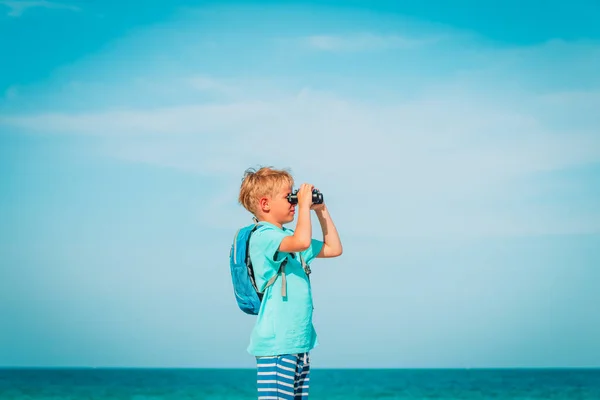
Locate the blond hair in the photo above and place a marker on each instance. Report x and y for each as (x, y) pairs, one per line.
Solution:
(265, 181)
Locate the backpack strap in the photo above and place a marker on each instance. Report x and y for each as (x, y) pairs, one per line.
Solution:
(283, 281)
(248, 262)
(304, 265)
(271, 281)
(282, 270)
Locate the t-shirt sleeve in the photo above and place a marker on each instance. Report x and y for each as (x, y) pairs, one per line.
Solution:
(312, 252)
(266, 259)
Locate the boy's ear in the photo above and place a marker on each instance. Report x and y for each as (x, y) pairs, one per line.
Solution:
(264, 204)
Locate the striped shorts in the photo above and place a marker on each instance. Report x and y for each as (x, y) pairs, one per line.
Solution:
(283, 377)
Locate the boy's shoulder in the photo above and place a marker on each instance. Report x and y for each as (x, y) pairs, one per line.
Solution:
(267, 236)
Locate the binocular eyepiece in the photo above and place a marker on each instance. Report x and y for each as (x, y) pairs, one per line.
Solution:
(317, 197)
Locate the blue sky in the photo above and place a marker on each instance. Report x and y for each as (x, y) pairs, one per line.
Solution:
(458, 149)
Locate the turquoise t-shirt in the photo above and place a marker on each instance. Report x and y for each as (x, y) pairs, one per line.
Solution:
(284, 324)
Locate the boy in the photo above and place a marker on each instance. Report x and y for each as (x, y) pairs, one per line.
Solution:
(283, 333)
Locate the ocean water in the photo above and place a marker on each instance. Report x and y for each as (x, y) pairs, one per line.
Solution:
(348, 384)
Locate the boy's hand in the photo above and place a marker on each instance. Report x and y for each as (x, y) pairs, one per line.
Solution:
(305, 195)
(317, 207)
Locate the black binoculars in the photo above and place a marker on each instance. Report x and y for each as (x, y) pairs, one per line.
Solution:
(317, 197)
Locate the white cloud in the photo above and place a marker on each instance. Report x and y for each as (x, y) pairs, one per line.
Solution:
(206, 83)
(436, 127)
(439, 164)
(17, 8)
(364, 42)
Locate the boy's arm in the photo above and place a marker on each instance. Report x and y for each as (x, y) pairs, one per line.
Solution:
(332, 245)
(301, 239)
(302, 236)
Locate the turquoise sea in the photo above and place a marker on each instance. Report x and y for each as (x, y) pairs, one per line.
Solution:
(348, 384)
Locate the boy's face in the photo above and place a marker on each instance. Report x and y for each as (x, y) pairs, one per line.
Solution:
(281, 209)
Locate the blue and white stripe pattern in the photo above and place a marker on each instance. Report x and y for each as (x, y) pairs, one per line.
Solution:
(283, 377)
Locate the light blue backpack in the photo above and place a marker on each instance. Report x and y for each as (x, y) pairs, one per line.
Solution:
(246, 292)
